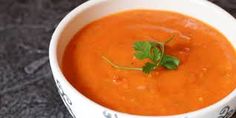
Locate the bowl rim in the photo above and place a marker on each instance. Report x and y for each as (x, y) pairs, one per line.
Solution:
(57, 72)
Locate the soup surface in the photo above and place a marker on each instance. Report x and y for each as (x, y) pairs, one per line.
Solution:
(206, 74)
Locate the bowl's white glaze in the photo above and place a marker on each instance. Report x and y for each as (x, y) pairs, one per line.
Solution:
(80, 106)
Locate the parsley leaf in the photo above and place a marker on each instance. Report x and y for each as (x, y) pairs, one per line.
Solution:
(148, 67)
(156, 54)
(170, 62)
(147, 50)
(142, 50)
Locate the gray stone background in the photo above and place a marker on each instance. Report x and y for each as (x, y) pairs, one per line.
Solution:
(27, 89)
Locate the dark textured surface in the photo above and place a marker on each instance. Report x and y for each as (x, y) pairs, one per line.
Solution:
(27, 89)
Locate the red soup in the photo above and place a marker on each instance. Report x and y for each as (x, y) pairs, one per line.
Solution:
(206, 72)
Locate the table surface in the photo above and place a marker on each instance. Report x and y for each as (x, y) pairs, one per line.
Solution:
(27, 89)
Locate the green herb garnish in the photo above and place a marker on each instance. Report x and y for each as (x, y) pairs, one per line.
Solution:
(155, 52)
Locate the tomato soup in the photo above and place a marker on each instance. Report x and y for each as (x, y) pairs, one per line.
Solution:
(206, 74)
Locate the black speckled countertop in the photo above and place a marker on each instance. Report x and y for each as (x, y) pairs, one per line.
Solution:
(27, 89)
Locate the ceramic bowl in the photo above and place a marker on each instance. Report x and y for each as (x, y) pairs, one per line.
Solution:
(81, 107)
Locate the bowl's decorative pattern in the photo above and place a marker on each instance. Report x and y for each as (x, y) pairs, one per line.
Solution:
(65, 98)
(226, 112)
(106, 114)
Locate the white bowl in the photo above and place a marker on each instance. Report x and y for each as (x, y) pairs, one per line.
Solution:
(80, 106)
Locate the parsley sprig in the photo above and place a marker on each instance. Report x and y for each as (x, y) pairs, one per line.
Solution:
(153, 51)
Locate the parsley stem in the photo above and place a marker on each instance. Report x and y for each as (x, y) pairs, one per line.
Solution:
(162, 47)
(168, 40)
(120, 67)
(162, 55)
